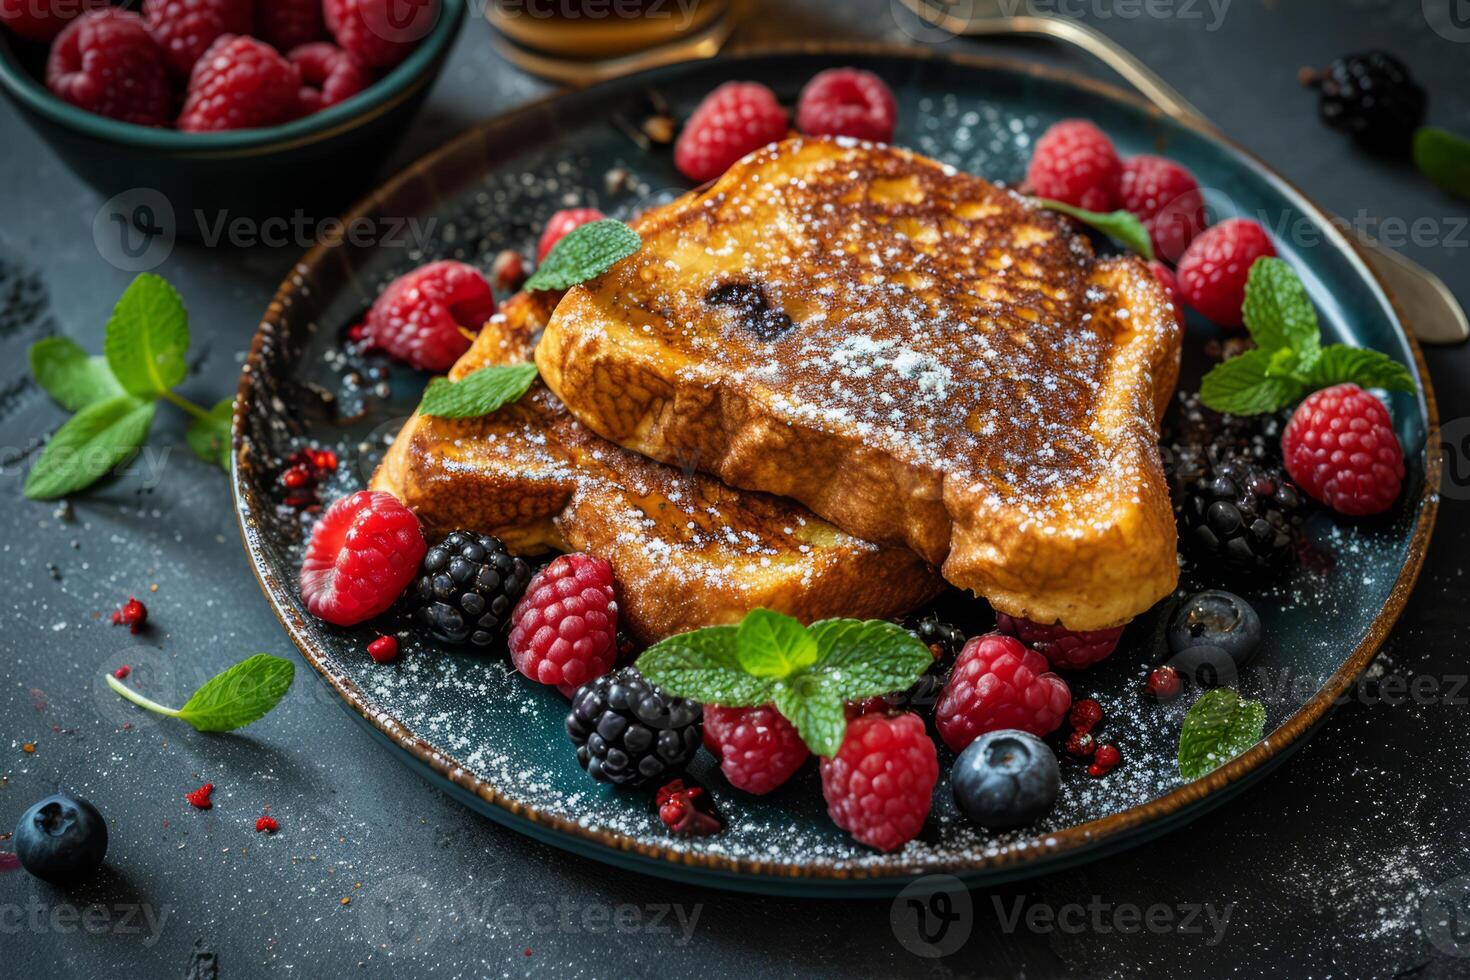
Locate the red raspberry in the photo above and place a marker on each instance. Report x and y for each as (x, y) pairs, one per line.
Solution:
(1166, 198)
(288, 24)
(879, 785)
(133, 615)
(1165, 276)
(380, 32)
(1341, 449)
(1104, 760)
(1080, 744)
(383, 650)
(1074, 162)
(266, 824)
(1214, 268)
(733, 120)
(1085, 715)
(199, 798)
(240, 83)
(757, 748)
(328, 75)
(42, 20)
(421, 316)
(561, 223)
(847, 102)
(186, 28)
(564, 631)
(1163, 683)
(998, 683)
(363, 552)
(106, 62)
(1064, 649)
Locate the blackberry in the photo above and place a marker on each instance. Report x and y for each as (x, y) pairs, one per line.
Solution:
(1240, 513)
(931, 632)
(468, 587)
(1371, 97)
(630, 733)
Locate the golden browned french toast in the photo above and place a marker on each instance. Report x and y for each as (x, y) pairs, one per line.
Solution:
(920, 357)
(687, 551)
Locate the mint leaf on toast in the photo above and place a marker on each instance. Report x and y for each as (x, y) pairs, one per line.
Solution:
(769, 644)
(1217, 728)
(478, 393)
(705, 666)
(1121, 226)
(818, 715)
(866, 658)
(584, 253)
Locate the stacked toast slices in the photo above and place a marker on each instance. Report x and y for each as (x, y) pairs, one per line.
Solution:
(931, 364)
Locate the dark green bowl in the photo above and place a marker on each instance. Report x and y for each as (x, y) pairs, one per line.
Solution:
(315, 162)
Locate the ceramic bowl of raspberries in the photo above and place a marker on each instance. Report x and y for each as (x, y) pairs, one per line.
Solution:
(235, 108)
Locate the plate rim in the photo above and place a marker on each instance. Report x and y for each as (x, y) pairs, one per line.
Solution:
(1055, 849)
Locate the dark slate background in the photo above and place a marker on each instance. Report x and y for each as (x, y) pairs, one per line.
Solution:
(1343, 863)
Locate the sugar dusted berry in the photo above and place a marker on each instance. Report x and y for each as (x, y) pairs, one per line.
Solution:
(564, 632)
(1104, 760)
(847, 102)
(733, 120)
(1074, 162)
(1006, 779)
(1085, 715)
(426, 317)
(1166, 198)
(758, 749)
(998, 683)
(629, 733)
(1341, 449)
(1213, 271)
(1064, 649)
(363, 552)
(880, 784)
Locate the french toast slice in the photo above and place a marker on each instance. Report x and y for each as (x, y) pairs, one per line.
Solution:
(686, 550)
(920, 357)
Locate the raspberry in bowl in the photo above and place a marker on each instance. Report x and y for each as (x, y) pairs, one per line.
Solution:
(260, 134)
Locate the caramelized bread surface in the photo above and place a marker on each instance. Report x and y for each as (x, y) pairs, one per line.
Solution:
(687, 550)
(922, 358)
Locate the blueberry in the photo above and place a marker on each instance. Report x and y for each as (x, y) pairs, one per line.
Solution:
(62, 840)
(1212, 636)
(1006, 779)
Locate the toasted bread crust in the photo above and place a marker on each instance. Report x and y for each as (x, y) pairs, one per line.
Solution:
(687, 551)
(918, 356)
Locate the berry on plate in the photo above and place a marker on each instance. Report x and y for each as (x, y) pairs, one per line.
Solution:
(383, 650)
(1074, 162)
(1340, 447)
(559, 224)
(564, 631)
(40, 20)
(420, 318)
(757, 748)
(186, 28)
(999, 683)
(1006, 779)
(106, 62)
(240, 83)
(288, 24)
(381, 33)
(847, 102)
(733, 120)
(1213, 271)
(629, 733)
(328, 75)
(1212, 635)
(880, 784)
(1064, 649)
(363, 552)
(1165, 197)
(61, 839)
(1239, 514)
(468, 588)
(1167, 279)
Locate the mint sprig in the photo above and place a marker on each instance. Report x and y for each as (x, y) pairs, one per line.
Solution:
(1122, 226)
(1289, 361)
(231, 699)
(1444, 158)
(808, 672)
(145, 347)
(1217, 728)
(585, 252)
(478, 393)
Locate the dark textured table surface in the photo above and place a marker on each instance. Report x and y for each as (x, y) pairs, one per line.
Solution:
(1343, 863)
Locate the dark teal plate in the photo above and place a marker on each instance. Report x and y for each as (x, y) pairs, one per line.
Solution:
(482, 732)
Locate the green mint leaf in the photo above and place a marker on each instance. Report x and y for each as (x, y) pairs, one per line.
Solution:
(704, 665)
(1278, 313)
(90, 444)
(818, 713)
(1444, 158)
(864, 658)
(585, 252)
(1242, 386)
(1121, 226)
(1217, 728)
(770, 644)
(1365, 368)
(209, 437)
(70, 376)
(231, 699)
(147, 337)
(479, 393)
